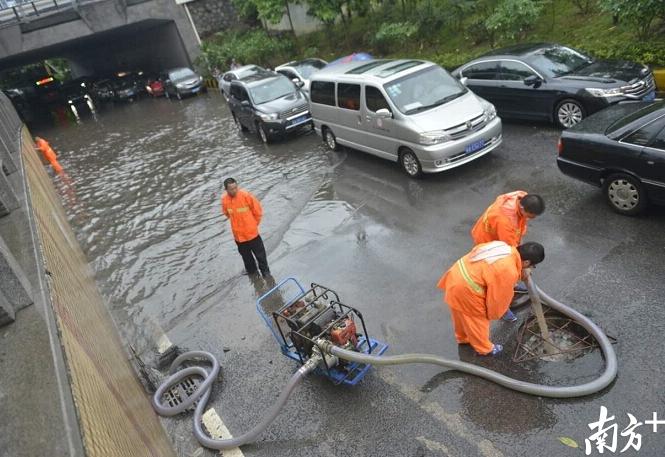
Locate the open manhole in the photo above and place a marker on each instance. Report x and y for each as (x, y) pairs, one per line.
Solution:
(569, 340)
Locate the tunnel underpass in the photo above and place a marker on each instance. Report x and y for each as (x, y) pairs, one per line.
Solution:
(149, 45)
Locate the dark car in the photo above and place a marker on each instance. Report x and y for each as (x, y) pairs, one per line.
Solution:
(554, 83)
(181, 81)
(102, 90)
(269, 104)
(622, 150)
(125, 88)
(77, 94)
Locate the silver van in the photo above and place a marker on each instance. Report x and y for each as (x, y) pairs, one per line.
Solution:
(408, 111)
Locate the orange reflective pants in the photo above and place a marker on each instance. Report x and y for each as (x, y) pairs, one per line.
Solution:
(472, 330)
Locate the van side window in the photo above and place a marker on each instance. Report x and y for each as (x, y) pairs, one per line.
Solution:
(348, 96)
(323, 92)
(375, 100)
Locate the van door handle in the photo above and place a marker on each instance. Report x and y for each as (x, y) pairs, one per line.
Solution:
(360, 120)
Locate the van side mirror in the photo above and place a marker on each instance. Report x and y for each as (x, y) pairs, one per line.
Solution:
(533, 80)
(244, 103)
(383, 113)
(463, 80)
(299, 84)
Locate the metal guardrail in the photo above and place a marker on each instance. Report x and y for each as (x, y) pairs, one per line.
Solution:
(26, 10)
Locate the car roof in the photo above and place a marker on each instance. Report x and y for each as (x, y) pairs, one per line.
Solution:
(518, 50)
(257, 77)
(378, 70)
(295, 63)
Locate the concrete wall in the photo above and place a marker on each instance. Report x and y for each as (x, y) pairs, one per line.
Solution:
(66, 385)
(211, 16)
(302, 22)
(55, 38)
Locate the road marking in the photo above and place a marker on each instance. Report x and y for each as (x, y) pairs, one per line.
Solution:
(217, 430)
(452, 421)
(433, 445)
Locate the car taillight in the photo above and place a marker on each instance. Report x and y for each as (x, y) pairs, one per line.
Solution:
(560, 146)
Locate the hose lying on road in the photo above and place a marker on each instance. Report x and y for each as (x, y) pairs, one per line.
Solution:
(521, 386)
(202, 394)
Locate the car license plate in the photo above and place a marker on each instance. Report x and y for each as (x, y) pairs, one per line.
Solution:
(651, 96)
(195, 90)
(299, 119)
(473, 147)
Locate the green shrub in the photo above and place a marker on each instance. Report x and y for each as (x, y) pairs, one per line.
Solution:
(511, 19)
(648, 53)
(390, 34)
(255, 47)
(641, 14)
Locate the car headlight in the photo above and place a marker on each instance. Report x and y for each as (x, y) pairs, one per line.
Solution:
(269, 117)
(596, 92)
(490, 112)
(179, 86)
(434, 137)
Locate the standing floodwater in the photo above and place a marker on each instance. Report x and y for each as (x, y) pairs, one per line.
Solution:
(142, 188)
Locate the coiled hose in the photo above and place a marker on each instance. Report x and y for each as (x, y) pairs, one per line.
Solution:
(202, 394)
(520, 386)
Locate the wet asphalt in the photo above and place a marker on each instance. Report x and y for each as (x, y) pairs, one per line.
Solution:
(142, 193)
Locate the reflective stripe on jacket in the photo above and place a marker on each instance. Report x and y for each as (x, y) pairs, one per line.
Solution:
(481, 283)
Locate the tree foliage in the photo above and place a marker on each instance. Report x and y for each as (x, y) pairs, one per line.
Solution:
(642, 14)
(513, 18)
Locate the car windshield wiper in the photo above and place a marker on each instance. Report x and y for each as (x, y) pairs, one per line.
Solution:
(578, 68)
(435, 104)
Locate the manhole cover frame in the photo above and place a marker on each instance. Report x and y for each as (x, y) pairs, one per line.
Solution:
(556, 322)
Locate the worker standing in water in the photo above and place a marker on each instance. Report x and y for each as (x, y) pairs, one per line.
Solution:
(506, 220)
(48, 153)
(244, 212)
(479, 288)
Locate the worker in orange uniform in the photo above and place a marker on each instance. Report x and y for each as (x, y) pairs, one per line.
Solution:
(48, 153)
(506, 220)
(479, 288)
(244, 211)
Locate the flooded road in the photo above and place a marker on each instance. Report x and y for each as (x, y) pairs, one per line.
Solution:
(142, 193)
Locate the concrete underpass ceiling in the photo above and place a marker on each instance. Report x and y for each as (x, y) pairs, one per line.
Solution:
(87, 44)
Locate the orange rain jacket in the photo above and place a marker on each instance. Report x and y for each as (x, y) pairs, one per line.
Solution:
(502, 221)
(481, 283)
(245, 212)
(48, 153)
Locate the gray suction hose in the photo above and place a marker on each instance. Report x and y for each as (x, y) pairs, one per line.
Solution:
(202, 395)
(521, 386)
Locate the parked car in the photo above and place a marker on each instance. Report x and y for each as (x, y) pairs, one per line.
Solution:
(102, 90)
(181, 81)
(77, 95)
(554, 83)
(269, 104)
(408, 111)
(154, 86)
(238, 73)
(622, 150)
(301, 70)
(124, 89)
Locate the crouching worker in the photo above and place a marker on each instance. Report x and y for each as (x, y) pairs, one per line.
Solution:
(479, 288)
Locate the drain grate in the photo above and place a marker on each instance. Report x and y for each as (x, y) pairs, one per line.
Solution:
(181, 391)
(569, 339)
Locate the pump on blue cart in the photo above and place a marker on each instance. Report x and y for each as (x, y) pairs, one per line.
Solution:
(298, 317)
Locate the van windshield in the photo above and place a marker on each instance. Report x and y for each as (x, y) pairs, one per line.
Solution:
(424, 90)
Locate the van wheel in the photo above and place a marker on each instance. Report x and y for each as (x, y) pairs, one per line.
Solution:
(330, 140)
(625, 194)
(410, 163)
(263, 135)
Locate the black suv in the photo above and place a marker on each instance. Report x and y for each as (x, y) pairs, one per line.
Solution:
(269, 104)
